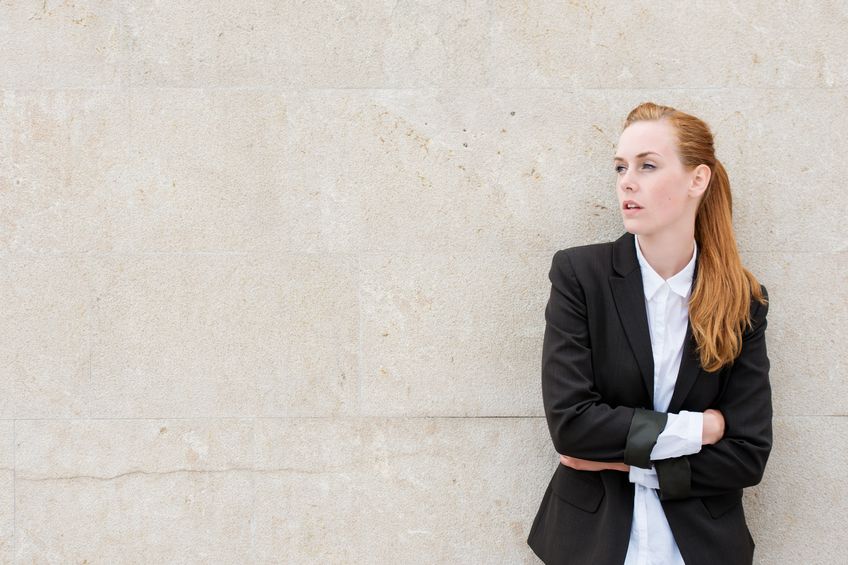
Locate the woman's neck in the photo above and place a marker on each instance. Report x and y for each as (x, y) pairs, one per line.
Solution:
(667, 253)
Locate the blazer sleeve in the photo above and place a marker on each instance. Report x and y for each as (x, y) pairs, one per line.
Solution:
(580, 423)
(739, 459)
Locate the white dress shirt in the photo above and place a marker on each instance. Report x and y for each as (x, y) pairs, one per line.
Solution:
(667, 301)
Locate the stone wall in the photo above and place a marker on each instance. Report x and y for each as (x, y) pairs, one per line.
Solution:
(273, 274)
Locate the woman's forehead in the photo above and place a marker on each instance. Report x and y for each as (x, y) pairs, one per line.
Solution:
(645, 137)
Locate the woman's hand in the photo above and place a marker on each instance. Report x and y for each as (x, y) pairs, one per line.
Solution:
(586, 465)
(713, 429)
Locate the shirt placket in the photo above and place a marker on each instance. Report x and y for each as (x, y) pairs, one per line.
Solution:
(644, 550)
(659, 316)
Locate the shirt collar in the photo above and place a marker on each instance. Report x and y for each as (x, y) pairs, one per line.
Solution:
(680, 284)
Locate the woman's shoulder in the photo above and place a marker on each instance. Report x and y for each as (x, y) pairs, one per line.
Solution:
(759, 310)
(588, 256)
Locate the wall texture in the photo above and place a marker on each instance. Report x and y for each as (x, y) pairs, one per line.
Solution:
(272, 274)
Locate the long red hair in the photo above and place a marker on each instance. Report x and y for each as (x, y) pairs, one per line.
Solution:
(720, 304)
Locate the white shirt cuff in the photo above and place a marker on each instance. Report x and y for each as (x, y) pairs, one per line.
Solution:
(682, 435)
(645, 477)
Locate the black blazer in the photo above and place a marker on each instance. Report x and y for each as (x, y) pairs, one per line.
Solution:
(597, 388)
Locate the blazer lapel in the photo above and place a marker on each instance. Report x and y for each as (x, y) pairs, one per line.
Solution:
(690, 364)
(629, 295)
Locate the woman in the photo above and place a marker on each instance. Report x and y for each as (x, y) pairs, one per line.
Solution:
(655, 374)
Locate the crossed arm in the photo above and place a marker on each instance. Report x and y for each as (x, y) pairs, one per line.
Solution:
(593, 435)
(711, 431)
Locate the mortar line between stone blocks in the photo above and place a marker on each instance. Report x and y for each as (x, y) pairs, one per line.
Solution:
(341, 417)
(329, 417)
(568, 89)
(425, 87)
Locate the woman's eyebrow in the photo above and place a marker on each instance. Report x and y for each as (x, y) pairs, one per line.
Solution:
(617, 158)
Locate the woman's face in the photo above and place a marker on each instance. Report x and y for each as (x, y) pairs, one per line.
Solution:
(656, 181)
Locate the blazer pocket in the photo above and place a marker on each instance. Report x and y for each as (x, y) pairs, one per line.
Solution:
(721, 504)
(583, 489)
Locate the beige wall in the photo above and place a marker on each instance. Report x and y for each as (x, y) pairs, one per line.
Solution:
(272, 274)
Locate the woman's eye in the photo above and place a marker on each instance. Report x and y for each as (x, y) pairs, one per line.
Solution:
(619, 167)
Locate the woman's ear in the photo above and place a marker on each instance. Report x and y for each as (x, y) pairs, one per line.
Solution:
(701, 176)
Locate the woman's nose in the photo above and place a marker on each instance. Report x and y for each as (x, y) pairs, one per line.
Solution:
(624, 181)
